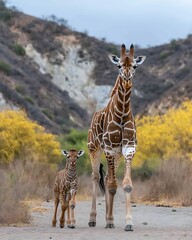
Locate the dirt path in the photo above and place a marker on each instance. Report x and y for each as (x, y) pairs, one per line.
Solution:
(150, 222)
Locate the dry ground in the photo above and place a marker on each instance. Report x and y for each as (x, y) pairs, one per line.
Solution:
(150, 222)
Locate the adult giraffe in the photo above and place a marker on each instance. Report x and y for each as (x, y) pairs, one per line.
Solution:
(113, 132)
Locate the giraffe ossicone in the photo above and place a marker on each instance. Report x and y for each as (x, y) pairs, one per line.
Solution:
(113, 132)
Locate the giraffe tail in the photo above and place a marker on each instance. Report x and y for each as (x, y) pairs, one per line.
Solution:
(101, 181)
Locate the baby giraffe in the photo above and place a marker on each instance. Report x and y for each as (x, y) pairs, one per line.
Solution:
(65, 189)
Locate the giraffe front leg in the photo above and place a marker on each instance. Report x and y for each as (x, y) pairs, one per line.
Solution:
(68, 199)
(111, 188)
(68, 217)
(93, 214)
(106, 197)
(95, 161)
(108, 201)
(127, 186)
(56, 202)
(72, 205)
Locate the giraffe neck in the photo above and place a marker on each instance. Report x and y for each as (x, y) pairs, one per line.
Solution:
(70, 173)
(121, 98)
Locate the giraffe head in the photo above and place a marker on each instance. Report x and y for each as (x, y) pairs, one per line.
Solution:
(72, 156)
(127, 64)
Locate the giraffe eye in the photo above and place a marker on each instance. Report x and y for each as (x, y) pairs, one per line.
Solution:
(135, 66)
(119, 66)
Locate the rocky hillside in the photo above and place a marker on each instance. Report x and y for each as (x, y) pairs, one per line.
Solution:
(60, 77)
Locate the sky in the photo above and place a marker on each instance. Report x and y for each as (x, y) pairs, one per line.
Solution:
(145, 23)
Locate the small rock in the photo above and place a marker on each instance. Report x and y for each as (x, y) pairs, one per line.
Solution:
(145, 223)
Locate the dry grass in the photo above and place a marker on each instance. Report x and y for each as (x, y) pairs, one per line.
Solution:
(172, 184)
(34, 180)
(84, 188)
(12, 211)
(20, 182)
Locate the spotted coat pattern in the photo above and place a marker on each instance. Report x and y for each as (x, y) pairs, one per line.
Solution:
(113, 132)
(65, 189)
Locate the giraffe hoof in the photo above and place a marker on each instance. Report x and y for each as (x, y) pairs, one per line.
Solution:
(110, 225)
(53, 224)
(61, 226)
(128, 189)
(92, 224)
(128, 228)
(71, 226)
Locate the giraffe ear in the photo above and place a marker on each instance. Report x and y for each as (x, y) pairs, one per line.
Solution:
(80, 153)
(139, 60)
(64, 152)
(114, 59)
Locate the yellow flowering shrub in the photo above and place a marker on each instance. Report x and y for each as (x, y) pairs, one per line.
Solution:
(23, 139)
(164, 137)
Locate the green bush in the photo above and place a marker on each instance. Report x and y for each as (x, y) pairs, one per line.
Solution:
(5, 13)
(29, 99)
(112, 49)
(2, 5)
(5, 16)
(174, 44)
(18, 49)
(77, 140)
(4, 67)
(164, 54)
(48, 113)
(20, 89)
